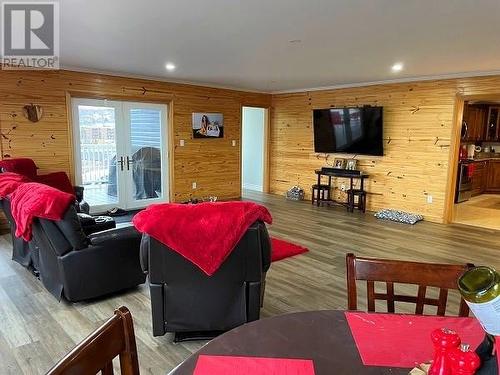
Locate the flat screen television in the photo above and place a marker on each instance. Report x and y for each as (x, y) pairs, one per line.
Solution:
(349, 130)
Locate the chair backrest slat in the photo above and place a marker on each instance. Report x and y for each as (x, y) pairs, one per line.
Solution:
(390, 297)
(419, 308)
(443, 300)
(370, 285)
(95, 354)
(424, 275)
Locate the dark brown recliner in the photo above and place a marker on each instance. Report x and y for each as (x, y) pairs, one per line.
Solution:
(186, 301)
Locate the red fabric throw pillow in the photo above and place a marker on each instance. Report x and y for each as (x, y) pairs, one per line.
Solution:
(204, 233)
(9, 182)
(32, 200)
(58, 180)
(23, 166)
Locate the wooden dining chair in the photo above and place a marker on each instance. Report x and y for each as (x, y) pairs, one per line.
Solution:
(95, 354)
(442, 276)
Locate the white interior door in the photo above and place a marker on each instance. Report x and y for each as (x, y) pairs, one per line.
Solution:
(121, 156)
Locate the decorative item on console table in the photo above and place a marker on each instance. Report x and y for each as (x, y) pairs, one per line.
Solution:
(352, 165)
(339, 163)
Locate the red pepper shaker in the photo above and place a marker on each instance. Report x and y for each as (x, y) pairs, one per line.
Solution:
(463, 361)
(444, 341)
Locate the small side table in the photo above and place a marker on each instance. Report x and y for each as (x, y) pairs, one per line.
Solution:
(318, 193)
(351, 200)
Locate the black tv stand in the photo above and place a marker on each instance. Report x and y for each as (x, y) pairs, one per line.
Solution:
(341, 173)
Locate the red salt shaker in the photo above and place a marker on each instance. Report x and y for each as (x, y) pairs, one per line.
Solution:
(444, 341)
(463, 361)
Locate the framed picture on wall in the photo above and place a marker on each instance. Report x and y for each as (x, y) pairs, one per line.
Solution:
(208, 125)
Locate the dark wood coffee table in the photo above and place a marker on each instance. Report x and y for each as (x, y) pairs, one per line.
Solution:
(323, 336)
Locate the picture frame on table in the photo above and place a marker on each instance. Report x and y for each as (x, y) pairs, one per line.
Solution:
(339, 163)
(351, 165)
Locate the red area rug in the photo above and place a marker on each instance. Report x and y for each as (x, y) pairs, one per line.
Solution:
(283, 249)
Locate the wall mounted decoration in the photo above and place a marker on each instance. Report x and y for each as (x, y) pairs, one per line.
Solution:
(208, 125)
(33, 112)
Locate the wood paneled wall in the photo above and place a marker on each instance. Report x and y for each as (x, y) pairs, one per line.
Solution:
(213, 163)
(418, 119)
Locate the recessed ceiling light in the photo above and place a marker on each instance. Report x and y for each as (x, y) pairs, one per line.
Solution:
(397, 67)
(170, 67)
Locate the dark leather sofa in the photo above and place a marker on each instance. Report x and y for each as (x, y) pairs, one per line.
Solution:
(81, 267)
(186, 301)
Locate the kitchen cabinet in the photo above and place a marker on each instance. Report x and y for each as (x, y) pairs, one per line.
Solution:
(474, 123)
(479, 177)
(493, 179)
(492, 131)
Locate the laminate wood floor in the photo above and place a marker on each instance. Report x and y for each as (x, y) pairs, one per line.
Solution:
(36, 330)
(481, 211)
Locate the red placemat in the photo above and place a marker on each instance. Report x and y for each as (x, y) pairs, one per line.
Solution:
(228, 365)
(393, 340)
(497, 348)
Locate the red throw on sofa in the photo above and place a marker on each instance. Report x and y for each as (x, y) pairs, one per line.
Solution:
(28, 168)
(32, 200)
(204, 233)
(10, 182)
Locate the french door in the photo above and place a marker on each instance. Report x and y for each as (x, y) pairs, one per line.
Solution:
(120, 151)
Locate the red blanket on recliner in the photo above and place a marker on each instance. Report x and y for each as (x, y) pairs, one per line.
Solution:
(10, 182)
(32, 200)
(204, 233)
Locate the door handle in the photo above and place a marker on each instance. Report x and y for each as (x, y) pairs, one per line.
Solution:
(129, 161)
(121, 163)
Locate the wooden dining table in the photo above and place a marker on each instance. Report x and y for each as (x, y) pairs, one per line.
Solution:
(321, 336)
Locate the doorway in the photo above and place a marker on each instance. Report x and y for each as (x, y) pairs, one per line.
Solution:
(474, 194)
(120, 153)
(254, 149)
